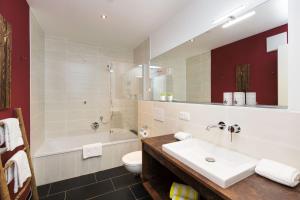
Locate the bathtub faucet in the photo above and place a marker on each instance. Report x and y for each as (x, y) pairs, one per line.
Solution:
(95, 126)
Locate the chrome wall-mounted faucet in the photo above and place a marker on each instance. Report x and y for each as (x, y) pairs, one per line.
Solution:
(234, 129)
(220, 125)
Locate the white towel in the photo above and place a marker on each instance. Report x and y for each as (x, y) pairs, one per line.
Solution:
(12, 134)
(278, 172)
(92, 150)
(183, 136)
(2, 138)
(9, 175)
(21, 169)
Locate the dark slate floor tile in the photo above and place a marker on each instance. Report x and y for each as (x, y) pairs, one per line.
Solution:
(123, 194)
(145, 198)
(125, 180)
(72, 183)
(43, 190)
(110, 173)
(60, 196)
(90, 191)
(139, 191)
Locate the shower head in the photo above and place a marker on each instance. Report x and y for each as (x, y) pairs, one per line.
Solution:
(109, 68)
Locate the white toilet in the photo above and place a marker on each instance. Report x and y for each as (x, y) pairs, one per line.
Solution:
(133, 162)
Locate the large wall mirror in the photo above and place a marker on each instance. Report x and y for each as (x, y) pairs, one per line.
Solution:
(242, 61)
(5, 63)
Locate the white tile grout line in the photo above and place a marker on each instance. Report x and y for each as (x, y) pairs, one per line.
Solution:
(132, 192)
(81, 186)
(95, 176)
(75, 188)
(115, 189)
(48, 190)
(100, 195)
(112, 184)
(112, 177)
(113, 192)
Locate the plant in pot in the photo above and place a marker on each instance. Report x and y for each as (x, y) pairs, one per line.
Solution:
(170, 96)
(163, 96)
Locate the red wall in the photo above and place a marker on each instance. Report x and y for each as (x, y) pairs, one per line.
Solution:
(263, 67)
(16, 13)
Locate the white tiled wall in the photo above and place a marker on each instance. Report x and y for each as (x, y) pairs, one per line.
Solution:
(76, 73)
(266, 133)
(177, 83)
(198, 78)
(37, 79)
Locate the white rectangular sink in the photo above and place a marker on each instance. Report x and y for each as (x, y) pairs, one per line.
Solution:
(222, 166)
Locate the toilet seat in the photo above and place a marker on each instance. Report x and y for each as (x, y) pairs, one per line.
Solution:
(133, 158)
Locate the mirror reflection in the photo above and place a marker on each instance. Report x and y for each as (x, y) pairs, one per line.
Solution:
(242, 61)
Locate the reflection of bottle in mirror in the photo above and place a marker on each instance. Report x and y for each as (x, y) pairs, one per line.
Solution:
(239, 98)
(227, 98)
(251, 98)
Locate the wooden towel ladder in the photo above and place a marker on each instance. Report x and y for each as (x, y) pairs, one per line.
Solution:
(4, 191)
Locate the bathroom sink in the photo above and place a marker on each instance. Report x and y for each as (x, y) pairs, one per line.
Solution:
(222, 166)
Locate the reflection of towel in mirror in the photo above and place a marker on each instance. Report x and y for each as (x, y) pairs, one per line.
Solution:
(11, 135)
(21, 170)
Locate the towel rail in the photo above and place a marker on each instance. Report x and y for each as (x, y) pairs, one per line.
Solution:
(23, 189)
(3, 150)
(30, 182)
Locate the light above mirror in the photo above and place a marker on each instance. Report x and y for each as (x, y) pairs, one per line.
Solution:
(234, 21)
(229, 15)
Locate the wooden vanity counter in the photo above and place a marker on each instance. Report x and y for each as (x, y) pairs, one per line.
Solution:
(161, 169)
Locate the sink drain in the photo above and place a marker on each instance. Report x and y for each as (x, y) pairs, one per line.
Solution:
(210, 159)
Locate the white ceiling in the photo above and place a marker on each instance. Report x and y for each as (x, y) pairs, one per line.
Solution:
(129, 21)
(270, 14)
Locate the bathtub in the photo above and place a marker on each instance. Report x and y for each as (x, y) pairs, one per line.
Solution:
(61, 158)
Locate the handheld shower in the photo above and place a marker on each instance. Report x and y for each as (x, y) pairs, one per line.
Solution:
(109, 68)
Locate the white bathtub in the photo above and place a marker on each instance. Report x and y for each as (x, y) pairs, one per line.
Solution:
(61, 158)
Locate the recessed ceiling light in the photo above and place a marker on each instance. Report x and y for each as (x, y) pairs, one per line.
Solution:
(103, 16)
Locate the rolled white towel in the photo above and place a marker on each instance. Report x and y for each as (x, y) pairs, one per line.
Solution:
(278, 172)
(183, 135)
